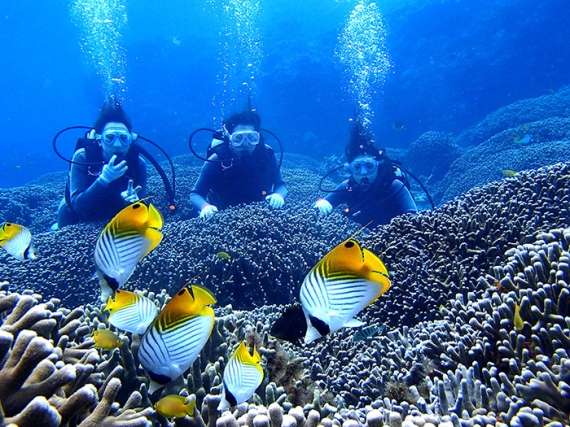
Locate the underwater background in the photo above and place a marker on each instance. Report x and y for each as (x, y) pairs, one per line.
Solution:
(473, 98)
(180, 65)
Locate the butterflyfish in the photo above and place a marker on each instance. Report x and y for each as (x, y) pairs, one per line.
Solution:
(175, 406)
(175, 338)
(126, 239)
(344, 281)
(517, 320)
(131, 312)
(17, 241)
(106, 339)
(241, 377)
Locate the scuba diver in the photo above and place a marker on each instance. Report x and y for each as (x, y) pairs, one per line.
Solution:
(107, 170)
(240, 167)
(373, 192)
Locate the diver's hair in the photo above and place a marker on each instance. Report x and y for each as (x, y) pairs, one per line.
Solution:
(248, 116)
(361, 143)
(112, 112)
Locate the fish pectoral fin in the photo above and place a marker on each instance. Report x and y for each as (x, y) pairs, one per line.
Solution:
(353, 323)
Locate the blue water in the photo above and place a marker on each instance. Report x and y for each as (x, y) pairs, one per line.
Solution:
(453, 62)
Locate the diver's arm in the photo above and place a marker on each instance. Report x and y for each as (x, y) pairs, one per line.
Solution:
(339, 195)
(403, 200)
(279, 186)
(83, 192)
(202, 187)
(141, 178)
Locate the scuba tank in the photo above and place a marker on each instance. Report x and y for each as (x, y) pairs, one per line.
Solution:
(89, 144)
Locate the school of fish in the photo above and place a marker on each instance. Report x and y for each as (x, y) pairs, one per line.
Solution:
(338, 287)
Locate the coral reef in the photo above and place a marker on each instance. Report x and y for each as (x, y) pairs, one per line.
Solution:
(451, 356)
(431, 145)
(549, 143)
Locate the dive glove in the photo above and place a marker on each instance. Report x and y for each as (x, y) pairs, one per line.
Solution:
(323, 206)
(208, 210)
(111, 171)
(130, 195)
(276, 200)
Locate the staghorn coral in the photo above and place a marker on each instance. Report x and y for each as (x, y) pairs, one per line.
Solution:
(41, 383)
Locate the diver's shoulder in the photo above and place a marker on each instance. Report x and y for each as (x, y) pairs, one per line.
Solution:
(80, 155)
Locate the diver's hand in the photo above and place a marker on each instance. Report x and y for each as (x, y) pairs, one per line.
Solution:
(323, 206)
(130, 195)
(208, 210)
(92, 134)
(275, 200)
(111, 171)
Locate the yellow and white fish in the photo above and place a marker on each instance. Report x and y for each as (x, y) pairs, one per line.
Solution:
(17, 241)
(126, 239)
(175, 338)
(242, 375)
(131, 312)
(346, 280)
(106, 339)
(175, 406)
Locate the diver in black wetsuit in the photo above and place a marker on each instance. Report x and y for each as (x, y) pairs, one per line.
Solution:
(241, 168)
(373, 192)
(107, 172)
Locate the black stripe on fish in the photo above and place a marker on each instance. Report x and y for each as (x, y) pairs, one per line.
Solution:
(230, 398)
(27, 251)
(112, 282)
(158, 378)
(320, 326)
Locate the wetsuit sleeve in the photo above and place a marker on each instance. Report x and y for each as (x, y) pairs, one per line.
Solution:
(339, 195)
(141, 178)
(202, 187)
(279, 183)
(84, 192)
(403, 201)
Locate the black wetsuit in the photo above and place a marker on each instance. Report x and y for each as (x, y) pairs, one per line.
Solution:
(89, 199)
(245, 179)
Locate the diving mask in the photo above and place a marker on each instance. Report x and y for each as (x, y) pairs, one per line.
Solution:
(109, 137)
(250, 136)
(363, 166)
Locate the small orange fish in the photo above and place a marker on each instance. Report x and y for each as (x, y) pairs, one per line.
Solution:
(175, 406)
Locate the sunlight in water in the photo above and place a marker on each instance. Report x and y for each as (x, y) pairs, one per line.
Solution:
(101, 22)
(240, 50)
(362, 50)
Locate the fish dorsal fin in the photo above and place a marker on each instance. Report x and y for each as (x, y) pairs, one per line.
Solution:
(154, 225)
(243, 355)
(202, 296)
(121, 299)
(185, 304)
(154, 218)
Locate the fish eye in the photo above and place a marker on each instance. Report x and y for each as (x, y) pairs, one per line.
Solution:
(349, 244)
(181, 292)
(138, 205)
